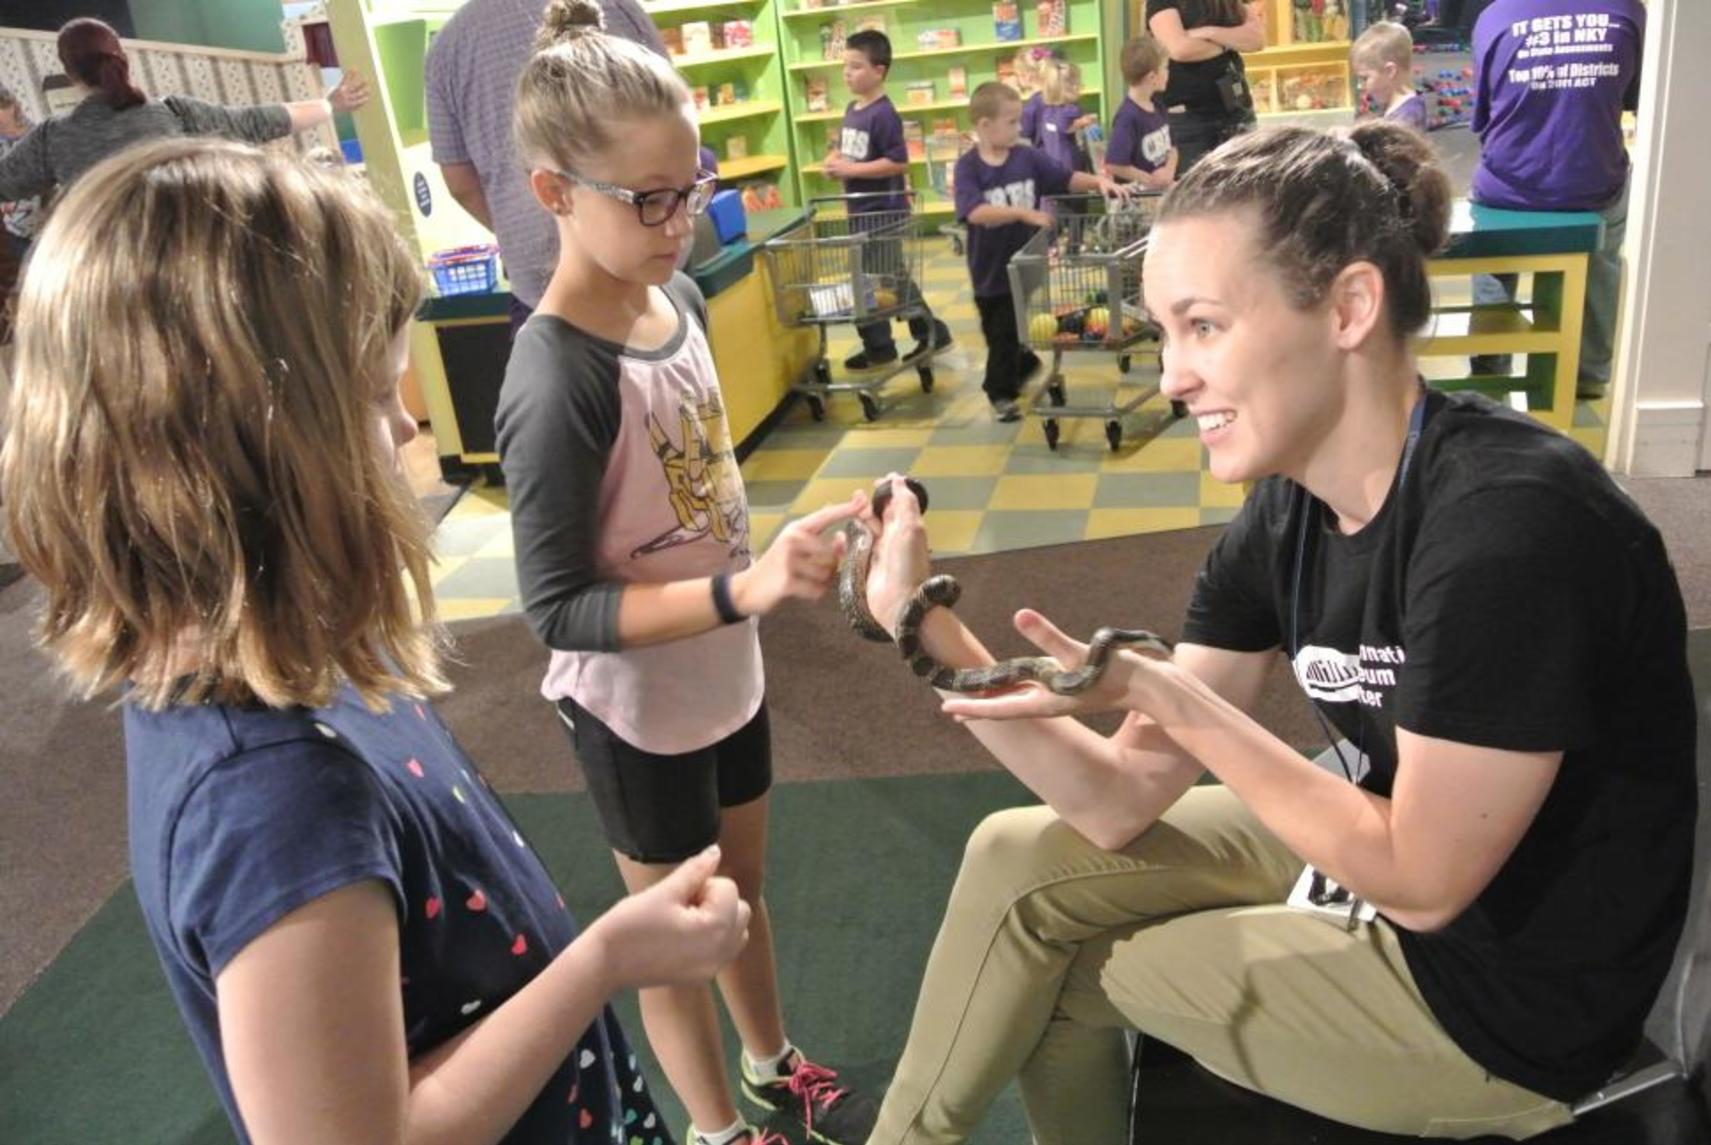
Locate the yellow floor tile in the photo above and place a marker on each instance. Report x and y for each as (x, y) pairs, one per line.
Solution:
(1047, 491)
(481, 501)
(1216, 494)
(961, 461)
(887, 437)
(784, 464)
(827, 491)
(469, 607)
(1125, 522)
(1161, 455)
(500, 546)
(762, 527)
(952, 530)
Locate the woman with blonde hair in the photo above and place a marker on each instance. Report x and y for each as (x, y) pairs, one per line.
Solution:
(202, 470)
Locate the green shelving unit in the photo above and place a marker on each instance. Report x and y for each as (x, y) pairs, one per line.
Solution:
(979, 53)
(756, 121)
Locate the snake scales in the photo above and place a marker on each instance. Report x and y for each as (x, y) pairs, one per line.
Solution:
(943, 590)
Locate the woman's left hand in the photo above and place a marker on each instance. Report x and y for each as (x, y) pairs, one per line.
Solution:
(1128, 675)
(350, 94)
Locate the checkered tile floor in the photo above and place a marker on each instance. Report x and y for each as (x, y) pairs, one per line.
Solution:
(994, 487)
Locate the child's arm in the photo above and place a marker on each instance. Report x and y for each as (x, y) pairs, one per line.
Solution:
(312, 1023)
(1083, 182)
(987, 215)
(840, 168)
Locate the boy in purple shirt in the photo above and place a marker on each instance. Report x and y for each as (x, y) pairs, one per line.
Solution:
(999, 186)
(1140, 150)
(1554, 77)
(873, 160)
(1383, 62)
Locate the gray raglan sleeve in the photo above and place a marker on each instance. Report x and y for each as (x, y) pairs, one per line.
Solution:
(24, 169)
(558, 417)
(259, 124)
(682, 288)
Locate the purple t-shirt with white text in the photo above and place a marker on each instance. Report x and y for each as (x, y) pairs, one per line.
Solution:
(1025, 176)
(1054, 134)
(1140, 137)
(874, 132)
(1553, 78)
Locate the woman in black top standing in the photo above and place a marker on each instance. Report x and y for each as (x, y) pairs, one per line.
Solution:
(1207, 96)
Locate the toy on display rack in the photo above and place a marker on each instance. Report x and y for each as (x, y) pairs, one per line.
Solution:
(697, 37)
(672, 37)
(1007, 20)
(739, 33)
(933, 39)
(737, 147)
(701, 96)
(1053, 16)
(1311, 90)
(1448, 95)
(832, 37)
(917, 93)
(819, 93)
(914, 140)
(760, 197)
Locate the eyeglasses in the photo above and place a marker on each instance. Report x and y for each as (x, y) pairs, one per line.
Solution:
(655, 207)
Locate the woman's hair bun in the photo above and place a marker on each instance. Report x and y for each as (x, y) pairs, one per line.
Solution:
(566, 19)
(1406, 160)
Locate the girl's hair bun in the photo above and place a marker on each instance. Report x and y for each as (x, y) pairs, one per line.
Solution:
(567, 19)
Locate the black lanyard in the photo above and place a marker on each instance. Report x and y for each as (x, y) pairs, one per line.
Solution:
(1416, 423)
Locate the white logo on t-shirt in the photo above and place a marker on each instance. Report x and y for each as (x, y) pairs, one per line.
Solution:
(1155, 145)
(854, 144)
(1012, 194)
(1328, 674)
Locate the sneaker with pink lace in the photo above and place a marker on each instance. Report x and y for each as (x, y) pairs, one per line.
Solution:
(828, 1110)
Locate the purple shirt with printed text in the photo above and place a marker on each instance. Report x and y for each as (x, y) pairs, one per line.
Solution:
(1553, 78)
(1054, 134)
(1022, 180)
(869, 133)
(1140, 137)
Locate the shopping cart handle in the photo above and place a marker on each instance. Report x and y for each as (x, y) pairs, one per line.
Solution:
(882, 495)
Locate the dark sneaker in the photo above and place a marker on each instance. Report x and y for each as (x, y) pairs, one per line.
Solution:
(1031, 364)
(1006, 409)
(941, 339)
(863, 360)
(829, 1112)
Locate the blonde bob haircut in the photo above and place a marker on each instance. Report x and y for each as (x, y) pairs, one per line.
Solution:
(1057, 79)
(194, 466)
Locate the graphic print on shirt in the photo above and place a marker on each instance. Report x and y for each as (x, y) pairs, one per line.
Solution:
(853, 144)
(1332, 676)
(701, 472)
(1155, 146)
(1562, 52)
(1012, 195)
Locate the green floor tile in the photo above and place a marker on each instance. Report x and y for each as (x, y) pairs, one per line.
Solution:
(1005, 529)
(960, 492)
(773, 496)
(491, 577)
(1147, 490)
(1080, 450)
(868, 462)
(461, 536)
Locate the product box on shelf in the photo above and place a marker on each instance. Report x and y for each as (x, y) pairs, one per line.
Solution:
(956, 83)
(819, 94)
(761, 197)
(673, 39)
(697, 37)
(725, 95)
(914, 139)
(1004, 71)
(832, 37)
(1006, 21)
(737, 147)
(702, 97)
(918, 92)
(739, 33)
(934, 38)
(1053, 16)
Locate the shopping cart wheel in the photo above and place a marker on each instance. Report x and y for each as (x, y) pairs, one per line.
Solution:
(1123, 363)
(816, 408)
(1178, 409)
(1114, 434)
(926, 373)
(869, 407)
(1051, 433)
(823, 372)
(1055, 392)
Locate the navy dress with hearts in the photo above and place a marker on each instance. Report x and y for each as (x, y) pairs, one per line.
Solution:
(240, 815)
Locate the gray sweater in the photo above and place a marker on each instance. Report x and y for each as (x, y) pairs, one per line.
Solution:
(59, 150)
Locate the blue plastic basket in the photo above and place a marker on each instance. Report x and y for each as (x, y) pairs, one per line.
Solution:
(465, 269)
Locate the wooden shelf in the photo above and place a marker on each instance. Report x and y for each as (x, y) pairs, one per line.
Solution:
(759, 51)
(666, 7)
(748, 109)
(834, 9)
(1293, 53)
(920, 108)
(751, 165)
(962, 50)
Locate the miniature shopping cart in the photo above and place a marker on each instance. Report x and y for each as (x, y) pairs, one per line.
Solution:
(942, 150)
(839, 267)
(1077, 288)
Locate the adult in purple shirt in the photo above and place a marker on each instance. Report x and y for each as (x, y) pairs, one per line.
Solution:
(1553, 79)
(471, 77)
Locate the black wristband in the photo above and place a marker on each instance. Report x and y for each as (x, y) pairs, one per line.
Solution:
(722, 602)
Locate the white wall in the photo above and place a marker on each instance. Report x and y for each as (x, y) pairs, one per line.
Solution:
(1663, 360)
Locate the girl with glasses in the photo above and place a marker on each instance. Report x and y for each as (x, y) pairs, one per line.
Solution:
(633, 546)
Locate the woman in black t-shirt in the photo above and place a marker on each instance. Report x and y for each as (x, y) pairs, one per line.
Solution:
(1207, 96)
(1489, 871)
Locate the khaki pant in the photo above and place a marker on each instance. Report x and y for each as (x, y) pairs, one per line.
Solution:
(1051, 948)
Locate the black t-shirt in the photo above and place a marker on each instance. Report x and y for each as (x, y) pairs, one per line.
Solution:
(1194, 86)
(1507, 595)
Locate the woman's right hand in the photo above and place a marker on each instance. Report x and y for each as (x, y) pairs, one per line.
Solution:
(799, 563)
(679, 931)
(901, 560)
(350, 94)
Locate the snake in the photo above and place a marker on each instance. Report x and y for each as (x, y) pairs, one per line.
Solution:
(943, 591)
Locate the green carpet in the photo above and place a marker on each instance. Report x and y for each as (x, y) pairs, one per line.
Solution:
(858, 875)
